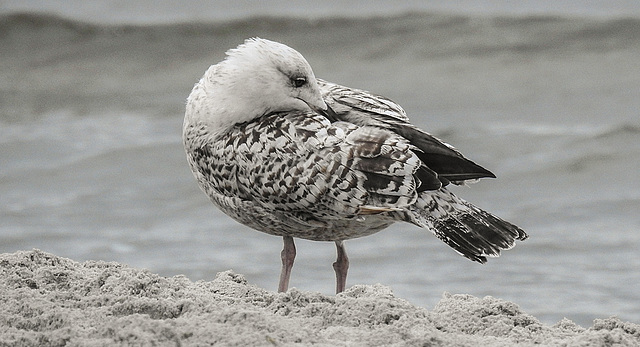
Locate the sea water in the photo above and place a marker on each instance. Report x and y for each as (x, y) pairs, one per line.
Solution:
(92, 165)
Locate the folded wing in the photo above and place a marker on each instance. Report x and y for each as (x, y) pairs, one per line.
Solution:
(365, 109)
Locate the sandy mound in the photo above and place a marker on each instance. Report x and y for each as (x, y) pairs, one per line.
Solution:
(53, 301)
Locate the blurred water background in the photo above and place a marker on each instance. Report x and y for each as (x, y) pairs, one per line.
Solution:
(92, 98)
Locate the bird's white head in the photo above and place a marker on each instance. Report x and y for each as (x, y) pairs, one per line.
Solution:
(256, 78)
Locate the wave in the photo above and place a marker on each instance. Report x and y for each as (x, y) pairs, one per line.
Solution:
(621, 130)
(429, 33)
(586, 131)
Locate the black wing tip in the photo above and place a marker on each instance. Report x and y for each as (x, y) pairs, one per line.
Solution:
(458, 177)
(480, 172)
(489, 174)
(454, 168)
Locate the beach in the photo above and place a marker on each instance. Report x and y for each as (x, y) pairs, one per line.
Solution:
(55, 301)
(92, 166)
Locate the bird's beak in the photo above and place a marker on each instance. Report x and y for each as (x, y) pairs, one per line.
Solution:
(325, 111)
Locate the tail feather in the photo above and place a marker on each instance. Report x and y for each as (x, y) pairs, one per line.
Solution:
(471, 231)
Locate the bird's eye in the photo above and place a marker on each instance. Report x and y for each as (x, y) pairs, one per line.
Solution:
(298, 81)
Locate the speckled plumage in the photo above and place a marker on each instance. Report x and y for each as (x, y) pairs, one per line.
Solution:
(324, 162)
(299, 175)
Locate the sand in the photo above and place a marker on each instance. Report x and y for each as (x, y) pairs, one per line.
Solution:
(53, 301)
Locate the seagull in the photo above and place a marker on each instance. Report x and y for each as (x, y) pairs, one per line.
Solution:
(292, 155)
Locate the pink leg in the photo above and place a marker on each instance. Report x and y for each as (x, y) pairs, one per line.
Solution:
(288, 255)
(341, 266)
